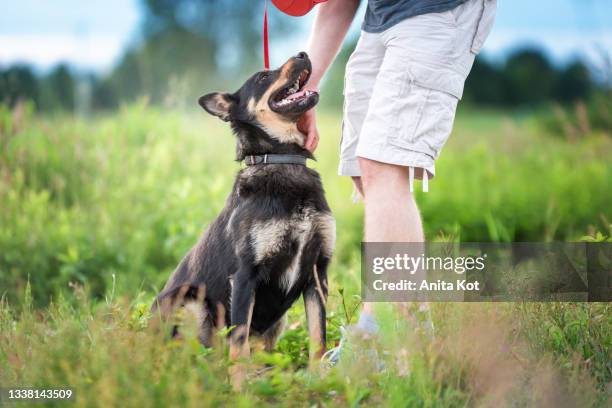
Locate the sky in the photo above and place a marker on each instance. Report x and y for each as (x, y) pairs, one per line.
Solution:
(92, 35)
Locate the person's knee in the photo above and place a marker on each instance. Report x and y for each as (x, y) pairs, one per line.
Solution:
(370, 170)
(376, 174)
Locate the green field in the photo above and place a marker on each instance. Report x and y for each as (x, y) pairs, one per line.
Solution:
(95, 214)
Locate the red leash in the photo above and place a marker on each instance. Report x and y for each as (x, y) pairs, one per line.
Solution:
(293, 8)
(265, 37)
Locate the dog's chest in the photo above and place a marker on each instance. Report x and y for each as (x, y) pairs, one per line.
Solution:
(285, 238)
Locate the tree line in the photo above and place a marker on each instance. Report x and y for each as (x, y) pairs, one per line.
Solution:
(527, 77)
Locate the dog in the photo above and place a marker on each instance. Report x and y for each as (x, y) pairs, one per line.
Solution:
(274, 239)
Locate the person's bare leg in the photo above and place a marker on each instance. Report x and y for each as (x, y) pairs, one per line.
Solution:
(385, 189)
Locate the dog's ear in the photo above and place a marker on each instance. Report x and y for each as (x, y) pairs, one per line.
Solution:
(217, 104)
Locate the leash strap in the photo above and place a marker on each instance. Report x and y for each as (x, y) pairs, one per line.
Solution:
(424, 180)
(253, 160)
(266, 50)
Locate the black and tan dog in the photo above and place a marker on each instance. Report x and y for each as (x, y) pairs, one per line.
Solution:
(273, 240)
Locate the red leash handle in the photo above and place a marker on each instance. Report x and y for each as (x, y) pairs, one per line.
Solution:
(266, 49)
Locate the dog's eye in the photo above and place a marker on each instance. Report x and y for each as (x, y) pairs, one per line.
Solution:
(262, 76)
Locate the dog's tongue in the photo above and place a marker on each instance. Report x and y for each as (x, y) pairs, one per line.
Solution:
(296, 95)
(301, 94)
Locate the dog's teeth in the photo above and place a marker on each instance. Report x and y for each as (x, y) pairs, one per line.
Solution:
(295, 87)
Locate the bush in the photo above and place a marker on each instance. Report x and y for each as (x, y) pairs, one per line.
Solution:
(582, 119)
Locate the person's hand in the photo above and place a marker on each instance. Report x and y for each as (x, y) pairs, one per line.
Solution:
(307, 124)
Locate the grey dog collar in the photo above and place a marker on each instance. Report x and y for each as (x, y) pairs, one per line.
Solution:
(253, 160)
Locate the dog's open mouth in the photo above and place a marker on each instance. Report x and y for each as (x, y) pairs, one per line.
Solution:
(293, 97)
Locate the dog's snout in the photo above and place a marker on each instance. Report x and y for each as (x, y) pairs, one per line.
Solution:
(302, 55)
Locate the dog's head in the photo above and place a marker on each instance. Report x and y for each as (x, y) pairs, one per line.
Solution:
(272, 101)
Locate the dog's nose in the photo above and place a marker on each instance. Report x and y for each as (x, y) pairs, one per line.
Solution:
(302, 55)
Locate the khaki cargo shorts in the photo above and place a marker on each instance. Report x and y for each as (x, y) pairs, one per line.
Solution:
(402, 87)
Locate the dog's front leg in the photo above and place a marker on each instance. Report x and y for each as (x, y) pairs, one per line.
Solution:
(315, 296)
(243, 299)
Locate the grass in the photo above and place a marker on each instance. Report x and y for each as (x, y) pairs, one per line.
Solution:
(95, 214)
(111, 354)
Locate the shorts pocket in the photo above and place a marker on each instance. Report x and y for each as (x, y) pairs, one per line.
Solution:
(426, 120)
(484, 24)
